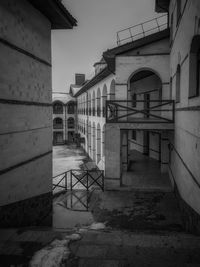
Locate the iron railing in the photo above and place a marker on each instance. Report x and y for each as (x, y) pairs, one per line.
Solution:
(141, 30)
(151, 111)
(78, 180)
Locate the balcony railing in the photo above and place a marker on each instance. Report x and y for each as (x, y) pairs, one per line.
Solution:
(150, 111)
(58, 126)
(141, 30)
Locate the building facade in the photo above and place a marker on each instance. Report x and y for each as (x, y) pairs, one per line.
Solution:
(143, 105)
(26, 109)
(64, 118)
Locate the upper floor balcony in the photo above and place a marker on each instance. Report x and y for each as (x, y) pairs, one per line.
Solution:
(141, 30)
(140, 111)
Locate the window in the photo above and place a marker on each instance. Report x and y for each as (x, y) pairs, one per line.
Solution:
(70, 108)
(134, 99)
(58, 123)
(194, 67)
(57, 108)
(134, 134)
(178, 11)
(171, 28)
(178, 81)
(70, 123)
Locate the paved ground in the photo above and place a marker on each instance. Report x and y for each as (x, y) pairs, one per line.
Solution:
(101, 248)
(67, 157)
(129, 228)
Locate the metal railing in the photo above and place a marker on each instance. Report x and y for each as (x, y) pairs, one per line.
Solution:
(142, 29)
(78, 180)
(151, 111)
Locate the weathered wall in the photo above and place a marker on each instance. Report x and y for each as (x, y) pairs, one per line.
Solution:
(25, 111)
(187, 120)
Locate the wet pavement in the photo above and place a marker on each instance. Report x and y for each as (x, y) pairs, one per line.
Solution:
(117, 228)
(67, 157)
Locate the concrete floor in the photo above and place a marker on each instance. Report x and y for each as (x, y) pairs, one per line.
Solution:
(67, 157)
(144, 173)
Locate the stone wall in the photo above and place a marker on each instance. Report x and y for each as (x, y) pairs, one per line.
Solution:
(25, 114)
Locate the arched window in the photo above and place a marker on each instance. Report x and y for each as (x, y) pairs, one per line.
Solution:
(98, 102)
(57, 107)
(89, 104)
(94, 142)
(178, 82)
(194, 67)
(70, 123)
(93, 104)
(103, 141)
(89, 138)
(104, 98)
(58, 123)
(98, 143)
(134, 99)
(112, 90)
(71, 108)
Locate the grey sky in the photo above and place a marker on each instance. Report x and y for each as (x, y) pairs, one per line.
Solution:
(75, 51)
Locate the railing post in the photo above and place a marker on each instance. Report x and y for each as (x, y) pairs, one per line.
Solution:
(71, 180)
(102, 180)
(66, 181)
(87, 181)
(173, 111)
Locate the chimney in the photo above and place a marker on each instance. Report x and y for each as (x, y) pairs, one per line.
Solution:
(79, 78)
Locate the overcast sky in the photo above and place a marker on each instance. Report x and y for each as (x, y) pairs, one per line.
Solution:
(76, 50)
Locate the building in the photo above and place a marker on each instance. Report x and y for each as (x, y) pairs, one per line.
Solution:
(26, 109)
(64, 113)
(142, 105)
(64, 110)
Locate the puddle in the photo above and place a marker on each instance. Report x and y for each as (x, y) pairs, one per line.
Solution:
(71, 210)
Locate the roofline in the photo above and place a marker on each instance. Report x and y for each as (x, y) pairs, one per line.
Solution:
(110, 55)
(56, 12)
(96, 79)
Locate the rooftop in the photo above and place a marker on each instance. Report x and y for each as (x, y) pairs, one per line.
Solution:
(56, 12)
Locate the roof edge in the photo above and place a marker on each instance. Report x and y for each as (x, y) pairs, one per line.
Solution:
(99, 77)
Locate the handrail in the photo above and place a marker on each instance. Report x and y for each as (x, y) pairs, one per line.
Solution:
(65, 177)
(172, 147)
(119, 111)
(60, 174)
(142, 30)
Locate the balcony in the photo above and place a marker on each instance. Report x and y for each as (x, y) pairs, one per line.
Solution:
(141, 111)
(141, 30)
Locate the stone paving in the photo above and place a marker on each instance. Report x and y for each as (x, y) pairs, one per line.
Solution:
(104, 248)
(119, 248)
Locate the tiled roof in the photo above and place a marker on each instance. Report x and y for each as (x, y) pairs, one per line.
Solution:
(56, 12)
